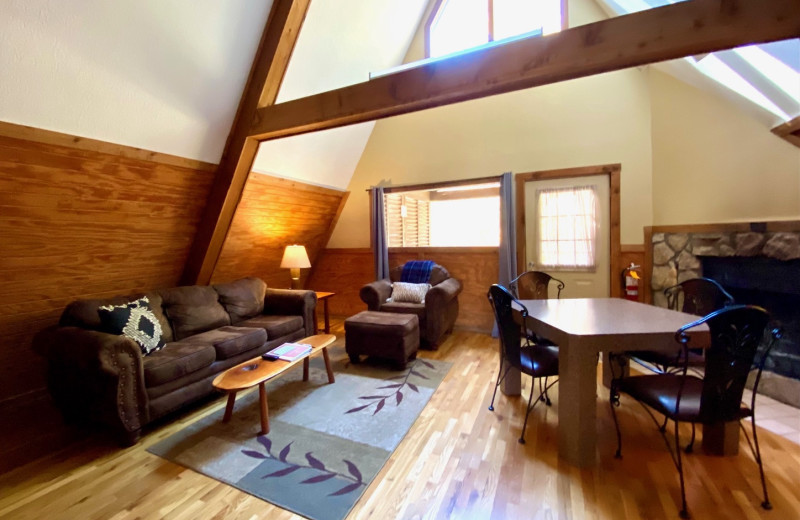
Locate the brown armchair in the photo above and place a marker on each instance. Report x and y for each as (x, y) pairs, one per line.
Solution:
(437, 314)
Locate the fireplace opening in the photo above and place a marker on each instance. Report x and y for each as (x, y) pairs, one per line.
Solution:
(771, 284)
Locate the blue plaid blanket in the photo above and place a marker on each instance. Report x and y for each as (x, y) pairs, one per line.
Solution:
(417, 271)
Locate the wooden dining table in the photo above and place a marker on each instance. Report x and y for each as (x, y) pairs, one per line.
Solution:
(583, 328)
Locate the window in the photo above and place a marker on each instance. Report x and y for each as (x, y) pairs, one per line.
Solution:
(567, 227)
(444, 216)
(456, 25)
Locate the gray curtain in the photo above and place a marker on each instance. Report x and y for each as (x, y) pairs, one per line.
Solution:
(508, 232)
(380, 246)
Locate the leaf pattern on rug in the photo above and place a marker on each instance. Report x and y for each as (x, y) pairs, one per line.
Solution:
(380, 400)
(357, 480)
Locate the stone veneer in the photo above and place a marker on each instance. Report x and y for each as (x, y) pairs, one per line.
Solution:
(676, 258)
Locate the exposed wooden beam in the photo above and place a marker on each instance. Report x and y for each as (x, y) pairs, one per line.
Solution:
(790, 131)
(269, 66)
(673, 31)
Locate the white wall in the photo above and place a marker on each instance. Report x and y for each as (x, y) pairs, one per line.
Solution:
(160, 75)
(596, 120)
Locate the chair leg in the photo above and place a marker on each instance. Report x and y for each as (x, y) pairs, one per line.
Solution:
(527, 413)
(613, 401)
(663, 427)
(547, 400)
(766, 503)
(690, 447)
(499, 380)
(684, 513)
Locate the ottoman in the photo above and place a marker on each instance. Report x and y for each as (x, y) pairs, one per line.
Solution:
(386, 335)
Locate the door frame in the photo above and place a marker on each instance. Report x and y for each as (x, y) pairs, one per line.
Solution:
(613, 172)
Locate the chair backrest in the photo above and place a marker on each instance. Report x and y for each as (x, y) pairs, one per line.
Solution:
(736, 334)
(510, 331)
(701, 296)
(534, 285)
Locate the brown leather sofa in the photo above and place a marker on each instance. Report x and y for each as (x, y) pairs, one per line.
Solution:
(97, 377)
(437, 314)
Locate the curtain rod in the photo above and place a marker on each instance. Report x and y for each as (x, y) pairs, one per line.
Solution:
(436, 185)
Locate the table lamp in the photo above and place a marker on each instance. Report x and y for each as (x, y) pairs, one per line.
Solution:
(295, 258)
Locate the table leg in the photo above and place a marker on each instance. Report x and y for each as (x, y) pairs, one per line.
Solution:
(229, 407)
(577, 412)
(721, 439)
(305, 369)
(327, 316)
(262, 397)
(328, 365)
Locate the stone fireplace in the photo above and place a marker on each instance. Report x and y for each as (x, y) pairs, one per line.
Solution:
(758, 264)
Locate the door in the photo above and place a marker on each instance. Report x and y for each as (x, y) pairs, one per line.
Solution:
(563, 201)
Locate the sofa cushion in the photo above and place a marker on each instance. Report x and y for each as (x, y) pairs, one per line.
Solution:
(409, 292)
(417, 309)
(176, 360)
(193, 309)
(276, 326)
(135, 320)
(230, 341)
(243, 298)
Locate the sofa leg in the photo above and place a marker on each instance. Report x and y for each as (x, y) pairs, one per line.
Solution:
(354, 359)
(127, 439)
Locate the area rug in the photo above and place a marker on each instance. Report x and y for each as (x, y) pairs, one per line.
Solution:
(326, 442)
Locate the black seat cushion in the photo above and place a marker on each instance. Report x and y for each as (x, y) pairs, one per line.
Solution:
(660, 392)
(670, 359)
(539, 361)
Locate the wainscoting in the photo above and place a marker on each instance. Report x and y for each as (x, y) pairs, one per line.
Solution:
(272, 214)
(344, 271)
(79, 218)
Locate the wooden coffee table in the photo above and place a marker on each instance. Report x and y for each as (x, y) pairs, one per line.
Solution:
(258, 371)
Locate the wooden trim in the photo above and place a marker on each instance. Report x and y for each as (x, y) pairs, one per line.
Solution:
(789, 131)
(40, 135)
(613, 171)
(277, 41)
(631, 248)
(439, 185)
(731, 227)
(672, 31)
(647, 268)
(329, 232)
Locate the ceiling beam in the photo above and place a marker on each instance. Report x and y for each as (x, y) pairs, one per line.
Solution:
(790, 131)
(266, 74)
(669, 32)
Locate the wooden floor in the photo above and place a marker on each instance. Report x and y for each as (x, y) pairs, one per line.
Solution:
(458, 461)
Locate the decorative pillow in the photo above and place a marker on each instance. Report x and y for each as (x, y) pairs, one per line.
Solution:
(409, 292)
(135, 320)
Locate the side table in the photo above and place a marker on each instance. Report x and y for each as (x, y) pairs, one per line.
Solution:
(323, 297)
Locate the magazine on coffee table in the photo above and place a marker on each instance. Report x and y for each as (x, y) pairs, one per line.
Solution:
(289, 351)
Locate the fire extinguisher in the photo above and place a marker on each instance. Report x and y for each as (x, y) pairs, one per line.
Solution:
(630, 281)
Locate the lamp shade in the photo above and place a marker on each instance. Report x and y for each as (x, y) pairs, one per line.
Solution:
(295, 257)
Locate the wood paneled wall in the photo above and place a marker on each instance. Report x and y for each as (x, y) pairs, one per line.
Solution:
(344, 271)
(272, 214)
(78, 218)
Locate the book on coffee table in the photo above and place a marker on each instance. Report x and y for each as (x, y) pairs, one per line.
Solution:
(289, 351)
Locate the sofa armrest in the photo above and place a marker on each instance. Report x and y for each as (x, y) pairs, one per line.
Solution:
(97, 376)
(375, 294)
(442, 293)
(291, 302)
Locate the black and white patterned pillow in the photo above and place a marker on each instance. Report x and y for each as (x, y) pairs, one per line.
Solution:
(409, 292)
(135, 320)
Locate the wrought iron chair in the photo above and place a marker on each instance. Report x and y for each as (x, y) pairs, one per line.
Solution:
(698, 296)
(737, 332)
(535, 360)
(535, 285)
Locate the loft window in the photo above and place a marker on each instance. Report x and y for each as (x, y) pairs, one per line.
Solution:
(455, 215)
(457, 25)
(567, 227)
